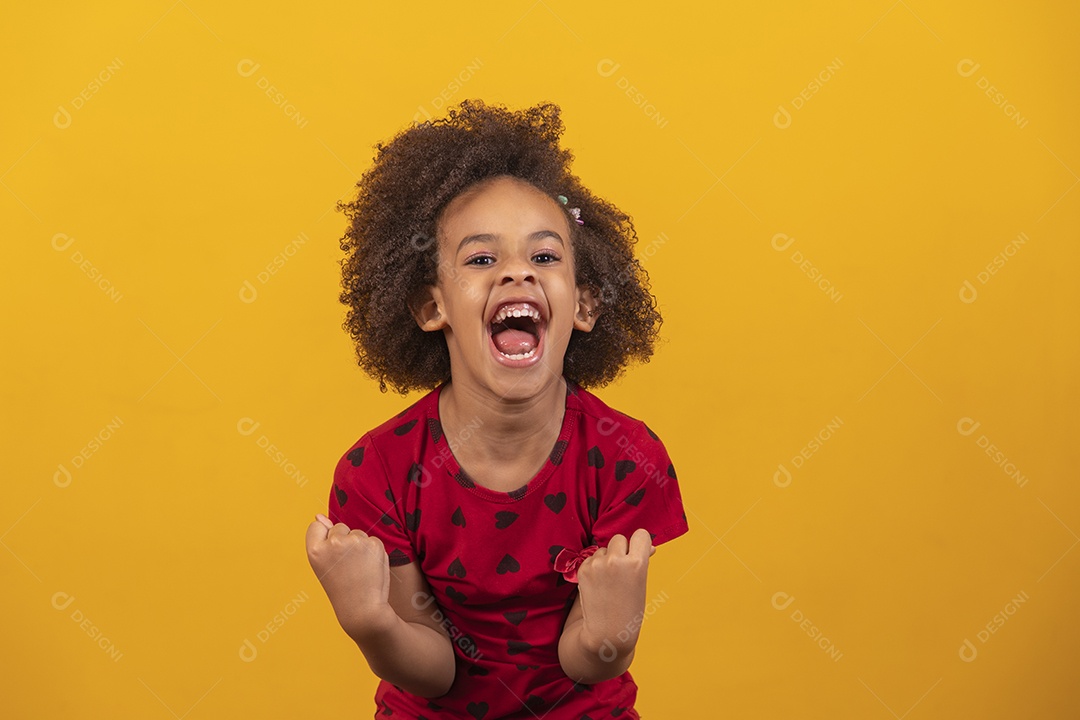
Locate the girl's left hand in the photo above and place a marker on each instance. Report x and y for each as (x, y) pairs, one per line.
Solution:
(611, 582)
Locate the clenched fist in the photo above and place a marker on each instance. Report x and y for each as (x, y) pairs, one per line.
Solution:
(355, 573)
(611, 582)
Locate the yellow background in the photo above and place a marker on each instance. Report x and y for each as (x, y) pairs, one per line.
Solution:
(898, 179)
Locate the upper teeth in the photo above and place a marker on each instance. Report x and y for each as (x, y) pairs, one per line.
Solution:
(516, 310)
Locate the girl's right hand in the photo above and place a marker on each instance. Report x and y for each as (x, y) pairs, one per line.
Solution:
(354, 570)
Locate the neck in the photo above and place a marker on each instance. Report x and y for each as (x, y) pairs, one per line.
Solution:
(485, 427)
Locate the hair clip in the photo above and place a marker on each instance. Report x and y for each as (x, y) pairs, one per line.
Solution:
(575, 212)
(567, 561)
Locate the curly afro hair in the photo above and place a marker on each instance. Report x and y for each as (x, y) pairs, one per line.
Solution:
(391, 256)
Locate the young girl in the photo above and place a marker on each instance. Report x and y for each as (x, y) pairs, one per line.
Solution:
(487, 548)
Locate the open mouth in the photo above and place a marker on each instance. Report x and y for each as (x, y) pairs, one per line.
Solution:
(516, 331)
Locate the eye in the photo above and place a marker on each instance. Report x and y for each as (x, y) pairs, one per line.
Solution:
(474, 260)
(553, 257)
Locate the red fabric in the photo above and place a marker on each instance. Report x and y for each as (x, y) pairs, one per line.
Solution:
(490, 556)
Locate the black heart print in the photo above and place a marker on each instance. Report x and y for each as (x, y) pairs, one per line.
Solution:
(477, 710)
(624, 468)
(416, 474)
(635, 497)
(555, 502)
(456, 569)
(554, 551)
(458, 518)
(475, 670)
(519, 493)
(557, 452)
(387, 520)
(404, 429)
(504, 518)
(596, 458)
(671, 471)
(455, 595)
(398, 557)
(412, 519)
(508, 565)
(356, 456)
(515, 616)
(435, 428)
(341, 496)
(651, 433)
(594, 507)
(516, 647)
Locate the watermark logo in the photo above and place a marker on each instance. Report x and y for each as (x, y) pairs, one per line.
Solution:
(782, 477)
(967, 427)
(247, 68)
(62, 477)
(248, 292)
(451, 89)
(422, 601)
(782, 117)
(62, 118)
(782, 601)
(967, 67)
(781, 242)
(249, 650)
(607, 67)
(247, 427)
(62, 601)
(968, 292)
(420, 476)
(968, 650)
(608, 652)
(61, 242)
(423, 242)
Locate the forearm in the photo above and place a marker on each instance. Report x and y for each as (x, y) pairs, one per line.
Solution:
(415, 657)
(589, 660)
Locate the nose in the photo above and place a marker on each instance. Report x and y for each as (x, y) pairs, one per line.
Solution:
(516, 269)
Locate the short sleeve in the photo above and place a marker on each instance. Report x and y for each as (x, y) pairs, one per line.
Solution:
(361, 497)
(641, 492)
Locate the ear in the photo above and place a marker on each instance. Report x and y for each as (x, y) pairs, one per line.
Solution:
(588, 310)
(427, 309)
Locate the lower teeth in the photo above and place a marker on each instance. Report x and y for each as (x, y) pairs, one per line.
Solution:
(522, 356)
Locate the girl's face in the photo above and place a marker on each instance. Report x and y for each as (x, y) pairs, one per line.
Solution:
(506, 298)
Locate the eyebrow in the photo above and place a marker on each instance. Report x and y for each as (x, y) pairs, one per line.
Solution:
(489, 237)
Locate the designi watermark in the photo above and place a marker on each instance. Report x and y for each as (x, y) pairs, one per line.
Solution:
(968, 650)
(968, 292)
(967, 67)
(249, 650)
(62, 477)
(247, 427)
(61, 242)
(967, 427)
(62, 601)
(62, 118)
(782, 116)
(781, 242)
(782, 601)
(782, 477)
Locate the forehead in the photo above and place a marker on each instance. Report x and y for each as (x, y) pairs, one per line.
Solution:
(502, 204)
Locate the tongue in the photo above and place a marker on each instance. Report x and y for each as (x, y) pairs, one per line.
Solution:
(514, 342)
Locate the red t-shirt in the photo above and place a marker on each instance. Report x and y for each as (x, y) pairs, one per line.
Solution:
(489, 555)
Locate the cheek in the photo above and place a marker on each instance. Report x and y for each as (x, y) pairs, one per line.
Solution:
(461, 293)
